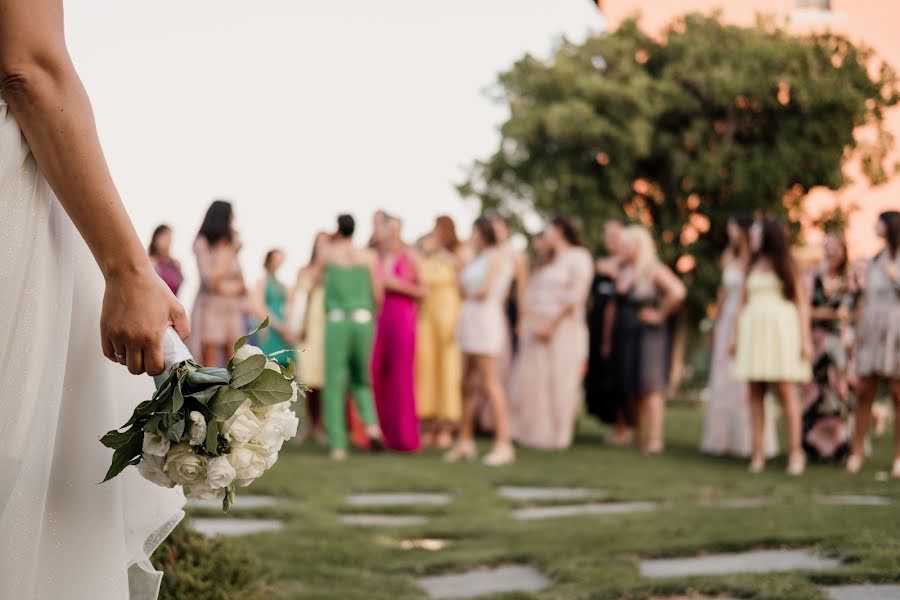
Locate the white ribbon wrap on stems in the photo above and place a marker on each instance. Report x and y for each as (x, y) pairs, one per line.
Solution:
(174, 352)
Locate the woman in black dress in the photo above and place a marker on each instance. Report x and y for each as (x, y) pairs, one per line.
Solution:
(827, 399)
(599, 385)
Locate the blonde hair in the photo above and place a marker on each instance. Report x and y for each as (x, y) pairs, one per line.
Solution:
(646, 260)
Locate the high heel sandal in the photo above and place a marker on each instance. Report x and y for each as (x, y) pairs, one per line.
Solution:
(855, 463)
(757, 466)
(502, 454)
(796, 465)
(463, 450)
(895, 469)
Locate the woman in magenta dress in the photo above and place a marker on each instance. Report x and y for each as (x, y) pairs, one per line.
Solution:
(393, 358)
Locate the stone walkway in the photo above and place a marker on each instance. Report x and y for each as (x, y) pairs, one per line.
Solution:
(372, 520)
(854, 500)
(538, 494)
(399, 499)
(760, 561)
(233, 527)
(571, 510)
(240, 502)
(483, 582)
(863, 592)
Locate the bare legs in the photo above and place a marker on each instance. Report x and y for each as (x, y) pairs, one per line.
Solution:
(211, 355)
(790, 407)
(480, 374)
(866, 389)
(651, 421)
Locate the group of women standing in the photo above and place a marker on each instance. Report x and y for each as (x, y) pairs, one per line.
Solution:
(421, 346)
(822, 343)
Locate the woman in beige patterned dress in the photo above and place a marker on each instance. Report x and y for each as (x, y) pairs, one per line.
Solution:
(546, 382)
(878, 346)
(217, 316)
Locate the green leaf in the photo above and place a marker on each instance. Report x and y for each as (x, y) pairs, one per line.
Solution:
(177, 398)
(208, 376)
(247, 370)
(203, 395)
(269, 388)
(243, 340)
(225, 402)
(128, 453)
(228, 500)
(212, 436)
(116, 439)
(172, 426)
(288, 370)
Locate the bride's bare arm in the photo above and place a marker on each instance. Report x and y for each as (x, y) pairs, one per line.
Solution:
(45, 95)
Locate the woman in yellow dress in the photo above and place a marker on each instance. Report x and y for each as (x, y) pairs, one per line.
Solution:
(773, 344)
(309, 315)
(438, 358)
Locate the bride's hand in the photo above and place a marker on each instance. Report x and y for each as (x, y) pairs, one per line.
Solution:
(137, 308)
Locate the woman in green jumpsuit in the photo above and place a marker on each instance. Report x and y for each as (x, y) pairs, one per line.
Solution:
(350, 292)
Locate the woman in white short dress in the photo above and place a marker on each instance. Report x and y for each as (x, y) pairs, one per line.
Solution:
(485, 284)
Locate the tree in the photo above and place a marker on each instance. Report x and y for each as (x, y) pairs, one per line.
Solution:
(681, 132)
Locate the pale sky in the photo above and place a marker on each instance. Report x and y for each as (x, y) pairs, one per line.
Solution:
(298, 110)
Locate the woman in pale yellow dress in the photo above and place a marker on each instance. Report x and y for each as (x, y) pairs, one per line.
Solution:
(309, 305)
(438, 358)
(773, 344)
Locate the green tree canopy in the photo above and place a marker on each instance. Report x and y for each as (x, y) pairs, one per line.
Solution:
(680, 132)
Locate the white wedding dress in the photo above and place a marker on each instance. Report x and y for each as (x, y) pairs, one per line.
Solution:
(62, 534)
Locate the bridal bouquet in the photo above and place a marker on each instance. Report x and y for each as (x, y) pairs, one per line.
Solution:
(209, 430)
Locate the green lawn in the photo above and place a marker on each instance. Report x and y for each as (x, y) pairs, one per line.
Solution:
(586, 557)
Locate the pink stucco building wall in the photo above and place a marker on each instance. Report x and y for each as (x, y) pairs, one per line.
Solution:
(871, 22)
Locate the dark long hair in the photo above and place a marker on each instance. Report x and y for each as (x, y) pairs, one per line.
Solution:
(445, 232)
(217, 222)
(153, 250)
(777, 249)
(486, 230)
(267, 261)
(891, 220)
(567, 228)
(744, 221)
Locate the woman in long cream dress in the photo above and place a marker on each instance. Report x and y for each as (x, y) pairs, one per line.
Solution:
(545, 388)
(726, 423)
(63, 535)
(438, 358)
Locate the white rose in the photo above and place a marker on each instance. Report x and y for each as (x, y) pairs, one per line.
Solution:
(270, 435)
(271, 459)
(155, 444)
(151, 469)
(198, 428)
(285, 421)
(245, 352)
(248, 462)
(219, 473)
(202, 490)
(185, 466)
(273, 366)
(242, 425)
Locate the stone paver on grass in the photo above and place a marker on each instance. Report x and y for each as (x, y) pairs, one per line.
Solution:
(483, 582)
(863, 592)
(738, 502)
(760, 561)
(853, 500)
(232, 527)
(399, 499)
(367, 520)
(526, 493)
(571, 510)
(240, 502)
